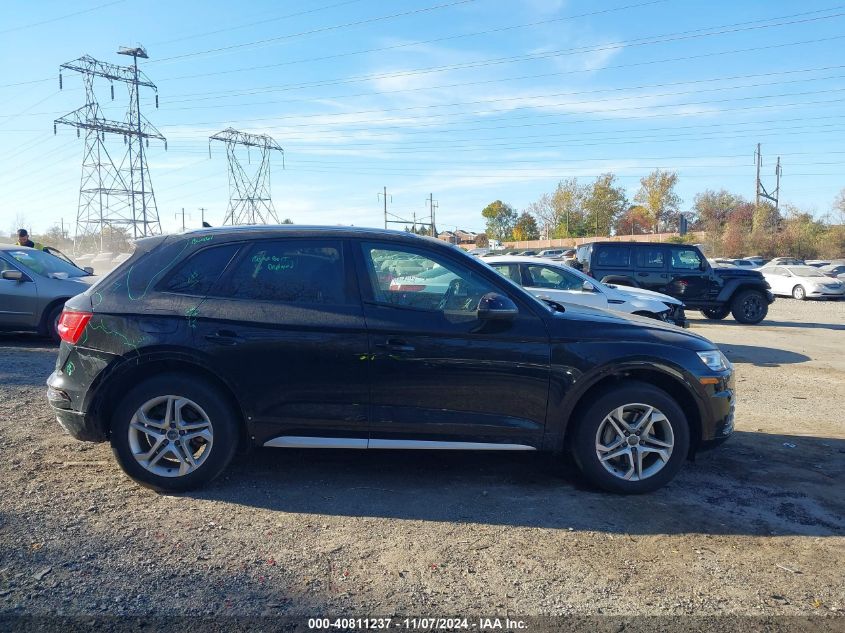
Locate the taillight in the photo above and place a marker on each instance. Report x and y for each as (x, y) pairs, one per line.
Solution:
(72, 324)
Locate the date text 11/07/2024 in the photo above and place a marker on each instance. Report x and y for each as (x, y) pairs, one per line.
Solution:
(418, 624)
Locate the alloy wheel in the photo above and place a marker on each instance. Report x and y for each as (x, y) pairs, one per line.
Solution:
(170, 436)
(634, 442)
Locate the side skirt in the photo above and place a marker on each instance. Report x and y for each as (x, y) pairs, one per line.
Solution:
(291, 441)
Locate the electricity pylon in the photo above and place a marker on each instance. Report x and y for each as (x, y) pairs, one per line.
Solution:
(250, 201)
(111, 193)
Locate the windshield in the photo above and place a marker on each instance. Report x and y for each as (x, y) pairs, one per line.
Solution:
(42, 263)
(805, 271)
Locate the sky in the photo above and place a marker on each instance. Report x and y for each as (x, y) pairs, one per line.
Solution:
(469, 101)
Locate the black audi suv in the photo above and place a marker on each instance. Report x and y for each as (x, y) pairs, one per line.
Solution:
(212, 342)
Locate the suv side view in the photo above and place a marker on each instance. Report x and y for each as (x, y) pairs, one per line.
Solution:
(680, 271)
(220, 340)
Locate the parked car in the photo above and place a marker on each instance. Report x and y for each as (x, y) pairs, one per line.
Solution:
(551, 253)
(747, 264)
(834, 270)
(817, 263)
(34, 286)
(680, 271)
(756, 260)
(217, 340)
(559, 282)
(786, 261)
(802, 282)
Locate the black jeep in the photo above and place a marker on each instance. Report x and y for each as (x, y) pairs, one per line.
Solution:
(681, 271)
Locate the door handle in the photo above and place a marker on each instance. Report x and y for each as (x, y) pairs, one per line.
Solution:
(224, 337)
(642, 274)
(396, 345)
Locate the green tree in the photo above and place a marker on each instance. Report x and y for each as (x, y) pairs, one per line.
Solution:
(568, 204)
(501, 219)
(604, 202)
(657, 195)
(526, 228)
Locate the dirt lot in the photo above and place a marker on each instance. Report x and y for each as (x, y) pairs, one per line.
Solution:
(755, 527)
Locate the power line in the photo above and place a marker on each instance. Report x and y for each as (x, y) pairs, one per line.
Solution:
(61, 17)
(418, 42)
(319, 30)
(658, 39)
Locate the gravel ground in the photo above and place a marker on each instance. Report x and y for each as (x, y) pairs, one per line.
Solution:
(754, 527)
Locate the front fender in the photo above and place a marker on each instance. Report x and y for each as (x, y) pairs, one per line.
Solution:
(579, 367)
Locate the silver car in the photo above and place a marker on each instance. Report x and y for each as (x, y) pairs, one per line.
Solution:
(34, 286)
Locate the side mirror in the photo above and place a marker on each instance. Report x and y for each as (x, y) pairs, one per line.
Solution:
(493, 306)
(13, 275)
(588, 286)
(89, 270)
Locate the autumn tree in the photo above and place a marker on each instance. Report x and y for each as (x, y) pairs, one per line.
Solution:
(501, 219)
(482, 241)
(604, 202)
(634, 221)
(657, 195)
(526, 228)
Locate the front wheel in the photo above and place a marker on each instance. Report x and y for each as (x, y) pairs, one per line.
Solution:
(749, 307)
(799, 293)
(632, 439)
(174, 433)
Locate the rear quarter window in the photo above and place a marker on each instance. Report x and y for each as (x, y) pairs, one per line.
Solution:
(197, 274)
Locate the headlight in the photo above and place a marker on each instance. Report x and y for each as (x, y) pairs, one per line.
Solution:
(715, 360)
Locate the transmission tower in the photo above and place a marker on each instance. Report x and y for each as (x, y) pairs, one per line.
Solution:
(249, 197)
(761, 190)
(111, 193)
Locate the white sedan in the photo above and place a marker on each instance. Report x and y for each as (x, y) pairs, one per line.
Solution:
(802, 282)
(559, 282)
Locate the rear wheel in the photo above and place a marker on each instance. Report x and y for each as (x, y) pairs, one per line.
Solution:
(632, 439)
(799, 293)
(174, 433)
(749, 307)
(716, 314)
(51, 322)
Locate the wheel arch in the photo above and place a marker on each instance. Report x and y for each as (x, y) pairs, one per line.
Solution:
(42, 321)
(672, 385)
(132, 369)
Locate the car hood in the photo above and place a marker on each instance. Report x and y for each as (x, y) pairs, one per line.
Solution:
(732, 272)
(583, 323)
(642, 293)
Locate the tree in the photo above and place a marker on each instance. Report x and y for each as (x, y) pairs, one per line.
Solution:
(543, 210)
(634, 221)
(526, 228)
(568, 206)
(287, 221)
(713, 209)
(501, 219)
(604, 202)
(482, 241)
(657, 195)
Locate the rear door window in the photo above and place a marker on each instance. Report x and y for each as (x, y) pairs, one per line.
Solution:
(613, 256)
(650, 257)
(511, 271)
(288, 271)
(553, 278)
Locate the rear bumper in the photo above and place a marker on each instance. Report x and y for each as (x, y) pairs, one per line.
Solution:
(79, 424)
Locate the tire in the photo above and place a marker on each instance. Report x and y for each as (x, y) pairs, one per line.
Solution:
(594, 428)
(799, 293)
(716, 314)
(201, 408)
(749, 307)
(51, 321)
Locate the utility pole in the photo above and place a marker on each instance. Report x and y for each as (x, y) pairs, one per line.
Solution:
(761, 189)
(177, 214)
(202, 211)
(432, 205)
(384, 196)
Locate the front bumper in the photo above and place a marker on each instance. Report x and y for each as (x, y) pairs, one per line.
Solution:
(719, 410)
(826, 293)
